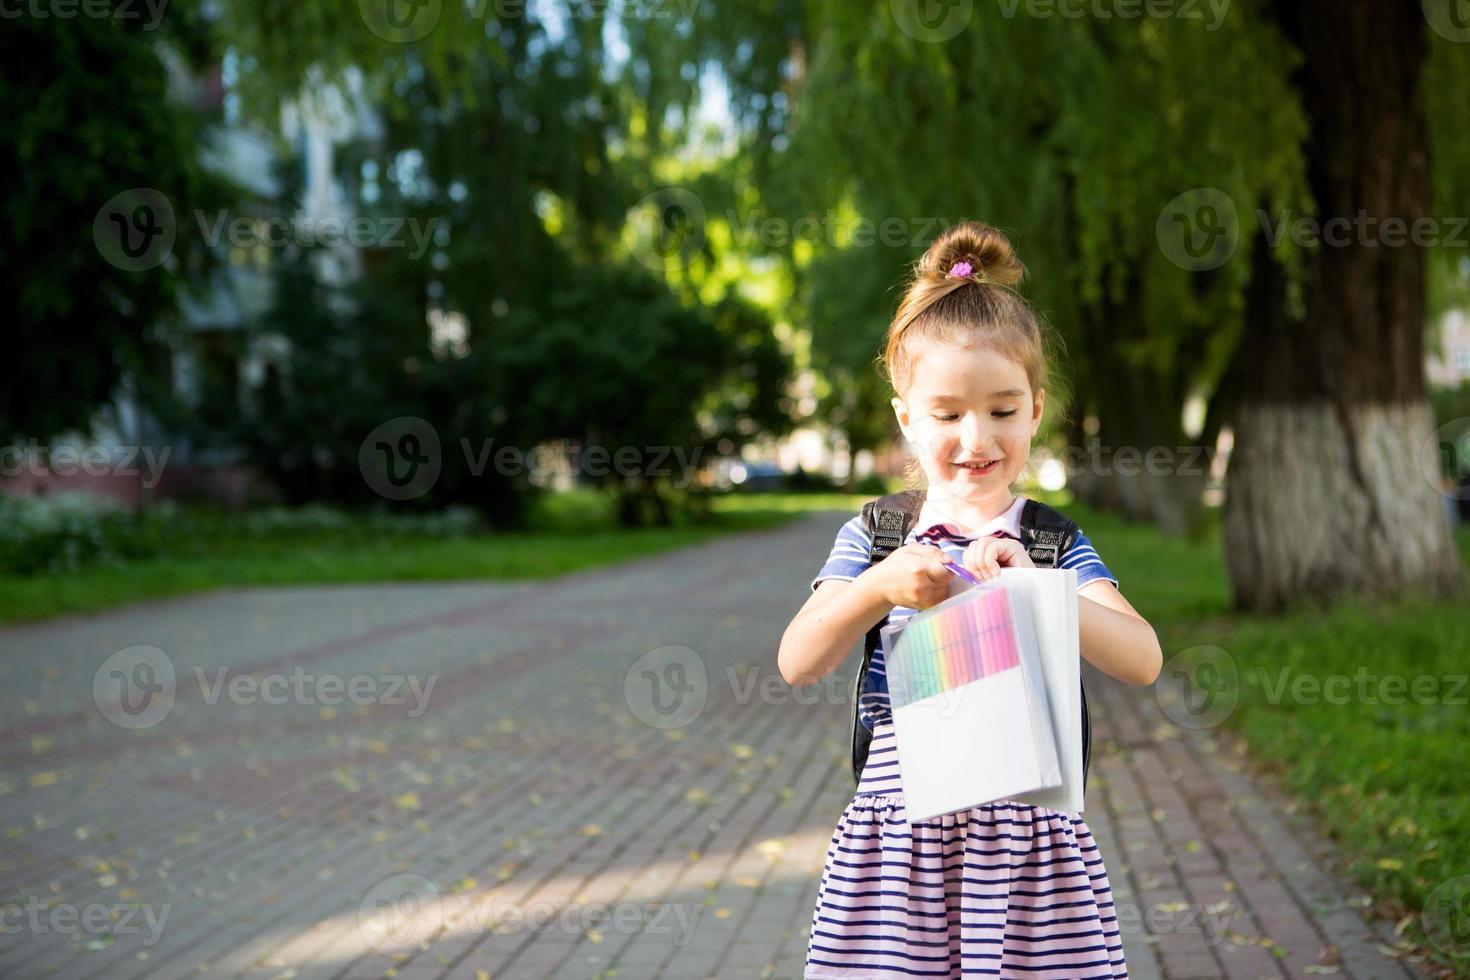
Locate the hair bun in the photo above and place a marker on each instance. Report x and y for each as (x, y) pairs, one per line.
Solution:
(987, 250)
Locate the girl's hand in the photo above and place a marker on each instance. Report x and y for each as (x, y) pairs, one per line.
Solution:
(986, 556)
(913, 576)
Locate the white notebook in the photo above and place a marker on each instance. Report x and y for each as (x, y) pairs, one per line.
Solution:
(984, 690)
(1054, 595)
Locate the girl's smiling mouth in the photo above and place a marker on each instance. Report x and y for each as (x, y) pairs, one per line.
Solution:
(978, 467)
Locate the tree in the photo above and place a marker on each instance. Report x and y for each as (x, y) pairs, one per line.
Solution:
(516, 139)
(1077, 136)
(1326, 493)
(101, 160)
(1051, 129)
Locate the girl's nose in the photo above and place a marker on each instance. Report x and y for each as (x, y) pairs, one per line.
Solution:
(972, 440)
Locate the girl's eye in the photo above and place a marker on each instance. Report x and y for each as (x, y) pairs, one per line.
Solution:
(951, 418)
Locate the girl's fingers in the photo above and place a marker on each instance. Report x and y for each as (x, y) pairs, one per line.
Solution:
(977, 558)
(1016, 555)
(971, 558)
(987, 556)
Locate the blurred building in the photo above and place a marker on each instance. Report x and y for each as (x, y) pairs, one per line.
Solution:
(1450, 364)
(222, 362)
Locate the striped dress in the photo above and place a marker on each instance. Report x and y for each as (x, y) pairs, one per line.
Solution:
(1002, 890)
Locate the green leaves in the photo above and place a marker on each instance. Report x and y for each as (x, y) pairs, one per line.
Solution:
(88, 119)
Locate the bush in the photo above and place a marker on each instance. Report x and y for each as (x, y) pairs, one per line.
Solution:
(68, 531)
(872, 485)
(1451, 410)
(451, 522)
(1451, 403)
(802, 481)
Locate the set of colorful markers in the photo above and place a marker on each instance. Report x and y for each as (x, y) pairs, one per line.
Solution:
(966, 638)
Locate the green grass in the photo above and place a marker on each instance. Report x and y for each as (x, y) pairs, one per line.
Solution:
(1385, 781)
(570, 531)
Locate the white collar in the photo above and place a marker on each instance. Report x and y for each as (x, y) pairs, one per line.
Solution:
(1008, 521)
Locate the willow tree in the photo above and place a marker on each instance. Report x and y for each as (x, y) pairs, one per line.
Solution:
(1327, 492)
(1085, 138)
(1051, 129)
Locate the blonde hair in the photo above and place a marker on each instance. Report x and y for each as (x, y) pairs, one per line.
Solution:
(981, 309)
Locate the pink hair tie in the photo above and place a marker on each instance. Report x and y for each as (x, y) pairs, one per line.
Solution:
(961, 269)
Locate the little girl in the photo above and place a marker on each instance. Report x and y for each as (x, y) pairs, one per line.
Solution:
(1006, 889)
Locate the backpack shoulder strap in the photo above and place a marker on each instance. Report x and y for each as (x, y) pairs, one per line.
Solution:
(889, 520)
(1046, 533)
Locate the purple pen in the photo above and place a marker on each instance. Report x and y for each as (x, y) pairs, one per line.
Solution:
(962, 572)
(932, 536)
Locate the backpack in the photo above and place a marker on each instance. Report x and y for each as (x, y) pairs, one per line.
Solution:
(1046, 533)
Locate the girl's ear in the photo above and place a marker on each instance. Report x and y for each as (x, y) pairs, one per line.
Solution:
(1036, 408)
(901, 413)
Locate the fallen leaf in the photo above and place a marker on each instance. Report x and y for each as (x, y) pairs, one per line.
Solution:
(771, 848)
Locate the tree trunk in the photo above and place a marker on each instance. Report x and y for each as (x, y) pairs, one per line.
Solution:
(641, 505)
(1138, 469)
(1325, 495)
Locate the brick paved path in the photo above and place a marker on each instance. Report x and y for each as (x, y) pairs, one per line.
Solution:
(555, 810)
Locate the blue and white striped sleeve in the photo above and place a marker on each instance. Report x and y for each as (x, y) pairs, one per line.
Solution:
(849, 557)
(1083, 557)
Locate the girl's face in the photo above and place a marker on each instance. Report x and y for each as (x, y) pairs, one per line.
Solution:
(969, 415)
